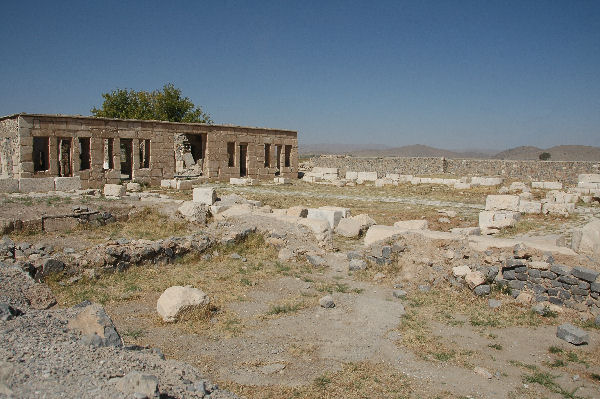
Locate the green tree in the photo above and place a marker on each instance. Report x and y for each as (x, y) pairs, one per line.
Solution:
(165, 105)
(544, 156)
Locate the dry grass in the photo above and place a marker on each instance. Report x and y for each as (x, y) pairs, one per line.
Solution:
(224, 279)
(354, 381)
(149, 224)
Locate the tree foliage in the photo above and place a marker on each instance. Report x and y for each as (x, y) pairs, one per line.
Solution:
(164, 105)
(544, 156)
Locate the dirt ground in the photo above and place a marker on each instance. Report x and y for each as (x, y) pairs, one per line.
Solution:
(267, 337)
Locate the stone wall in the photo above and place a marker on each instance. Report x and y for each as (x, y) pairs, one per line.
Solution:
(61, 138)
(564, 171)
(9, 141)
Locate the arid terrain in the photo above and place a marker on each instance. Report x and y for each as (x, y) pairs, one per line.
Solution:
(404, 323)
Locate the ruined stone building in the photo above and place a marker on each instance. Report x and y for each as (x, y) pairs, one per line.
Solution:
(104, 150)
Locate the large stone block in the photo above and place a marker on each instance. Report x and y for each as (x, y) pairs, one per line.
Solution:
(486, 181)
(352, 176)
(8, 185)
(114, 190)
(367, 176)
(589, 178)
(377, 233)
(184, 184)
(354, 226)
(497, 220)
(176, 301)
(530, 206)
(36, 185)
(67, 183)
(587, 239)
(332, 216)
(411, 224)
(204, 195)
(502, 203)
(563, 209)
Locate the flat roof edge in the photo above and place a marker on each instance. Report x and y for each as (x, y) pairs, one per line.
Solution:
(141, 120)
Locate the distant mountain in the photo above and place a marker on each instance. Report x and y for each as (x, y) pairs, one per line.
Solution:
(418, 150)
(557, 153)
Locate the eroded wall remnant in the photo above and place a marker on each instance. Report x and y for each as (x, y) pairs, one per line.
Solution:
(104, 150)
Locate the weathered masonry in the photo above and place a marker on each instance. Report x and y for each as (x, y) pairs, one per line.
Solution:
(103, 150)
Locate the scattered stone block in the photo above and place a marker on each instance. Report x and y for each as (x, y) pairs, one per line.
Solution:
(138, 385)
(378, 233)
(96, 327)
(133, 187)
(354, 226)
(332, 215)
(585, 274)
(502, 203)
(352, 176)
(242, 181)
(67, 183)
(36, 184)
(204, 195)
(411, 225)
(482, 290)
(184, 184)
(281, 180)
(562, 209)
(460, 271)
(297, 211)
(474, 279)
(367, 176)
(571, 334)
(175, 301)
(589, 178)
(486, 181)
(586, 240)
(497, 220)
(114, 190)
(193, 211)
(327, 302)
(357, 264)
(399, 293)
(168, 183)
(533, 207)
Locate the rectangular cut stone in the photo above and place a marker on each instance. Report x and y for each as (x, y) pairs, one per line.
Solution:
(530, 206)
(9, 185)
(367, 176)
(411, 224)
(241, 181)
(332, 216)
(114, 190)
(67, 183)
(351, 175)
(36, 185)
(183, 184)
(462, 186)
(502, 203)
(168, 183)
(550, 208)
(497, 220)
(486, 181)
(281, 180)
(589, 178)
(204, 195)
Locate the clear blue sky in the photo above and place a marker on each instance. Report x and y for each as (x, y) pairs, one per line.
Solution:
(453, 74)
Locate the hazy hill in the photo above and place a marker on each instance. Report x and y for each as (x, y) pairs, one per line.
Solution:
(558, 153)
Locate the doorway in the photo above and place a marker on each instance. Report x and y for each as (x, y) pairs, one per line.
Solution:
(243, 160)
(64, 157)
(126, 158)
(278, 161)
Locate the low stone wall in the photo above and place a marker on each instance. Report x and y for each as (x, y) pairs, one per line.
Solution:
(564, 171)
